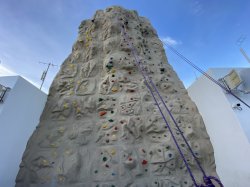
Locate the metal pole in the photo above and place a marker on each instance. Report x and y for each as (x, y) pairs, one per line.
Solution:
(45, 75)
(245, 54)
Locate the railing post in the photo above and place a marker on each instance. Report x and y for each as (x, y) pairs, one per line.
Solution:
(3, 90)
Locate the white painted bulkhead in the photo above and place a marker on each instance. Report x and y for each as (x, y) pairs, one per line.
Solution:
(19, 116)
(228, 129)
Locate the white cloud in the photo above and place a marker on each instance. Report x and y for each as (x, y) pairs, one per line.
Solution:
(4, 71)
(170, 41)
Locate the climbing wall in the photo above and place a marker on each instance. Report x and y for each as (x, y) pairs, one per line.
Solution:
(101, 127)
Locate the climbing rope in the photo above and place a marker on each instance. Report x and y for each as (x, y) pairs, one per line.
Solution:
(149, 82)
(204, 73)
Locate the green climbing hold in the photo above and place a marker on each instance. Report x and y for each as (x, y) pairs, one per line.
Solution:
(104, 159)
(109, 66)
(111, 120)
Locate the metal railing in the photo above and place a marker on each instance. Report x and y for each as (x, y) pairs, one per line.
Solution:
(3, 91)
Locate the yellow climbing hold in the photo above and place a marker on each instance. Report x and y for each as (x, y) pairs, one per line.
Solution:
(78, 110)
(53, 145)
(113, 70)
(61, 130)
(65, 106)
(113, 152)
(74, 103)
(104, 126)
(114, 89)
(67, 152)
(45, 162)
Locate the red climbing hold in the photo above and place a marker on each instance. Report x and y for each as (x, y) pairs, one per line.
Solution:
(144, 162)
(130, 159)
(102, 113)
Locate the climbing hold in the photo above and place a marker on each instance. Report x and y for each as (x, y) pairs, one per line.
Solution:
(74, 103)
(100, 99)
(65, 106)
(104, 126)
(113, 70)
(113, 137)
(116, 128)
(131, 90)
(111, 120)
(113, 152)
(61, 130)
(109, 65)
(144, 162)
(114, 89)
(102, 113)
(104, 159)
(78, 110)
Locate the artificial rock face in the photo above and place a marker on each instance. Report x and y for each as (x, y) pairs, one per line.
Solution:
(100, 126)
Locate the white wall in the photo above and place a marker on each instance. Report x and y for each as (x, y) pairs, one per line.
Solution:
(231, 146)
(7, 81)
(243, 115)
(18, 119)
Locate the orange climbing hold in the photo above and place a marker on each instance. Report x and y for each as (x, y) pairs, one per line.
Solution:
(102, 113)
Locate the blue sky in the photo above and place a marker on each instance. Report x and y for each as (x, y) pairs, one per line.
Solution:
(205, 31)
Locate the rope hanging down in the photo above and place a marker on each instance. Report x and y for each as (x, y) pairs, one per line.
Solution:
(204, 73)
(152, 89)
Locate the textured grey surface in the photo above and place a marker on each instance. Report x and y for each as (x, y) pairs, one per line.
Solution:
(100, 126)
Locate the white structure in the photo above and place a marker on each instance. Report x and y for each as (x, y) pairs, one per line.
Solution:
(20, 111)
(227, 125)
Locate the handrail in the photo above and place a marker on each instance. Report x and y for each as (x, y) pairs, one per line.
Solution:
(3, 91)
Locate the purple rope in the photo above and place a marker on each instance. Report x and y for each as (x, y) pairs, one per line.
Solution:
(145, 76)
(206, 179)
(209, 183)
(165, 120)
